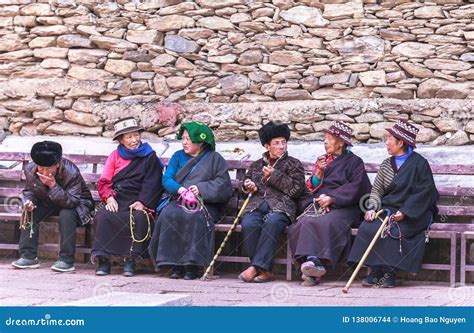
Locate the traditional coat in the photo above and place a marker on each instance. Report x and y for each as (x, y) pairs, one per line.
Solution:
(411, 190)
(328, 235)
(183, 237)
(139, 180)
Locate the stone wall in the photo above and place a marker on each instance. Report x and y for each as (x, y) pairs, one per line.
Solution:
(74, 66)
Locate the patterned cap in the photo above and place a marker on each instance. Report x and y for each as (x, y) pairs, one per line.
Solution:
(341, 130)
(126, 125)
(404, 131)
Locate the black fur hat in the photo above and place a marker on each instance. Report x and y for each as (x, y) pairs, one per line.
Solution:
(46, 153)
(271, 130)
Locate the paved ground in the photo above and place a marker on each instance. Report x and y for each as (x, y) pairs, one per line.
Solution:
(45, 287)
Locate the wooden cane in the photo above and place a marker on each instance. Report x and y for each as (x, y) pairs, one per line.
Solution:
(345, 290)
(244, 205)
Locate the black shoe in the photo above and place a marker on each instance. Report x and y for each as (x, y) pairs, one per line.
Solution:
(191, 272)
(104, 267)
(387, 280)
(129, 267)
(372, 279)
(177, 272)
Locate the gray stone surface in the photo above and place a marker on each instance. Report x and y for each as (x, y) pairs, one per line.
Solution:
(133, 299)
(43, 287)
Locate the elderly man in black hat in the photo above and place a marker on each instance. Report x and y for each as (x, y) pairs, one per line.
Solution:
(277, 181)
(54, 186)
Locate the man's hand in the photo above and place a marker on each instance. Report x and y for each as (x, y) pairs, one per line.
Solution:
(324, 200)
(250, 186)
(267, 171)
(370, 215)
(29, 206)
(194, 189)
(111, 205)
(47, 180)
(137, 205)
(399, 216)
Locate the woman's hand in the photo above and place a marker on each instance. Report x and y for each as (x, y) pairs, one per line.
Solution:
(181, 189)
(369, 215)
(399, 216)
(324, 200)
(111, 205)
(137, 205)
(194, 189)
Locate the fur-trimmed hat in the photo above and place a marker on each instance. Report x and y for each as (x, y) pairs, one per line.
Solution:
(126, 125)
(273, 130)
(46, 153)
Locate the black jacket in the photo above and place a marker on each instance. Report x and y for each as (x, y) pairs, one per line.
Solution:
(70, 191)
(284, 187)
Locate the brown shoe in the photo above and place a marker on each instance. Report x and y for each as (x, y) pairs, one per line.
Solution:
(264, 277)
(249, 274)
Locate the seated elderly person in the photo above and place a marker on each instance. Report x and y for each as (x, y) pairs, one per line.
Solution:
(54, 186)
(337, 184)
(130, 187)
(198, 184)
(277, 181)
(405, 189)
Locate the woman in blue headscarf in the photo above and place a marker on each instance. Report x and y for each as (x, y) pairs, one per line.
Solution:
(130, 189)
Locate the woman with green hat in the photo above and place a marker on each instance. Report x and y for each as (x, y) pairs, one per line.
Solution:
(198, 184)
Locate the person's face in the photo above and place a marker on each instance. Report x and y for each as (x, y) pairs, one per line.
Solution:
(189, 147)
(277, 147)
(131, 140)
(394, 146)
(48, 171)
(333, 144)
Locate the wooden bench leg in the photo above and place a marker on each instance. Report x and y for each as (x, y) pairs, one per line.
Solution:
(452, 271)
(463, 259)
(289, 262)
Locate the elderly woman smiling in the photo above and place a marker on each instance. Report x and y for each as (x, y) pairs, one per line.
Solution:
(130, 186)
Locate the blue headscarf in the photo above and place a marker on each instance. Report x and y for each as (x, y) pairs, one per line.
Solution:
(141, 151)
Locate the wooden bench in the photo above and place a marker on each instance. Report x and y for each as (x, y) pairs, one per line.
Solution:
(12, 182)
(447, 231)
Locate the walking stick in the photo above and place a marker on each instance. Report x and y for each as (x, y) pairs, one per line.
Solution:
(345, 290)
(246, 202)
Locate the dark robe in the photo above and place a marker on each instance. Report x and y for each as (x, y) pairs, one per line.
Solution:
(138, 181)
(329, 236)
(413, 192)
(184, 238)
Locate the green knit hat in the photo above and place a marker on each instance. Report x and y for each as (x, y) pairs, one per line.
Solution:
(198, 132)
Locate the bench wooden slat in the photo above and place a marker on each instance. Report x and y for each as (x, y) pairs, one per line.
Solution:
(456, 210)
